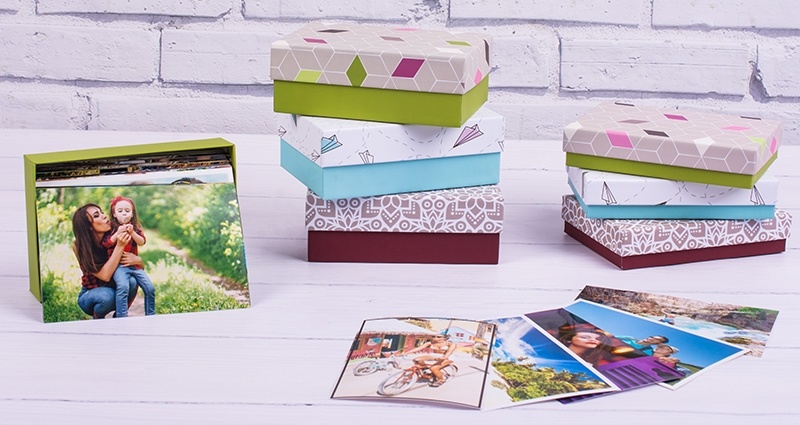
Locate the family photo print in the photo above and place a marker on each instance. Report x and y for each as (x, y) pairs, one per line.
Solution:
(140, 235)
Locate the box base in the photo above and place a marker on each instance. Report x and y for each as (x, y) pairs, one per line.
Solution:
(386, 178)
(676, 257)
(676, 212)
(670, 172)
(395, 247)
(371, 104)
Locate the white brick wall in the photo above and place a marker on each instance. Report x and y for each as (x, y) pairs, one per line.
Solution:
(203, 65)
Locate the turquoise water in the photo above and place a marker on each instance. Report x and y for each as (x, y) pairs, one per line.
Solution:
(716, 331)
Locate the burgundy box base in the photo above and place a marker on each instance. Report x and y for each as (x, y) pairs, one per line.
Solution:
(395, 247)
(676, 257)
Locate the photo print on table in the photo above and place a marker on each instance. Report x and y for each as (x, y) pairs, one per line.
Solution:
(747, 327)
(687, 352)
(530, 366)
(439, 360)
(622, 364)
(140, 235)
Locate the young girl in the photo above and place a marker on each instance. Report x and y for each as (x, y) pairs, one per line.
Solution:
(124, 220)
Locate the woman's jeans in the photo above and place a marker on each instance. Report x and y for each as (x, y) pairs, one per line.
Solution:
(125, 274)
(98, 302)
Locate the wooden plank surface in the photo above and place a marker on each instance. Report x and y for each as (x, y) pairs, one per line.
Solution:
(277, 362)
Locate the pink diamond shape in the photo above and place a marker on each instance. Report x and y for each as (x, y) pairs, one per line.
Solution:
(478, 77)
(619, 139)
(676, 117)
(736, 128)
(773, 144)
(408, 68)
(315, 40)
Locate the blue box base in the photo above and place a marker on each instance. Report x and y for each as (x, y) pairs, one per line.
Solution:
(387, 178)
(676, 212)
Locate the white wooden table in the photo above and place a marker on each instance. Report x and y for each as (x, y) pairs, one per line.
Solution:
(277, 362)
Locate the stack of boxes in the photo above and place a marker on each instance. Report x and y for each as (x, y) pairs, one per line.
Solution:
(387, 129)
(654, 187)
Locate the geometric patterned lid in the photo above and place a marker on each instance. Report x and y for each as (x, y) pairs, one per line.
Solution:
(701, 140)
(476, 209)
(380, 57)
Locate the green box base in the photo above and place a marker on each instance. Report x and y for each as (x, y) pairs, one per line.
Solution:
(370, 104)
(670, 172)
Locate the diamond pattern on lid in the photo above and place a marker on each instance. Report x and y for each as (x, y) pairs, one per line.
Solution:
(388, 38)
(332, 31)
(458, 43)
(356, 72)
(408, 67)
(773, 144)
(478, 76)
(308, 76)
(619, 139)
(703, 144)
(315, 40)
(634, 121)
(676, 117)
(656, 133)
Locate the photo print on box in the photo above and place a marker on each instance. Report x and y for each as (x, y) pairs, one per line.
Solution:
(139, 235)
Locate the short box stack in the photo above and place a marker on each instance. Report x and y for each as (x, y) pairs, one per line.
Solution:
(391, 121)
(654, 187)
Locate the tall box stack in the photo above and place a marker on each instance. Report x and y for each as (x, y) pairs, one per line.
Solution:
(370, 116)
(654, 187)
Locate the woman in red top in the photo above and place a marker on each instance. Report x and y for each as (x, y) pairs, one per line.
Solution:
(98, 295)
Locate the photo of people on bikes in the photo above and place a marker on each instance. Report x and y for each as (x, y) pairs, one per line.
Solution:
(418, 358)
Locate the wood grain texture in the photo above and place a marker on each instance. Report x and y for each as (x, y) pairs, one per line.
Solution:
(278, 361)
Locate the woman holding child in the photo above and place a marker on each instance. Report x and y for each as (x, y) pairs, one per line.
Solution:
(99, 295)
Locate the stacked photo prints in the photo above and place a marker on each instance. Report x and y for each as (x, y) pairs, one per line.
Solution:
(125, 234)
(605, 341)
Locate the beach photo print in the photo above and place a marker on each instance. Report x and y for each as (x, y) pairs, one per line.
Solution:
(745, 326)
(140, 235)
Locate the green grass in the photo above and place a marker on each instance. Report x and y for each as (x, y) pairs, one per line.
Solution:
(180, 287)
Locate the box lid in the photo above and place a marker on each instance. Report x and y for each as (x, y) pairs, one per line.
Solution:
(477, 209)
(701, 140)
(606, 188)
(639, 237)
(381, 57)
(331, 142)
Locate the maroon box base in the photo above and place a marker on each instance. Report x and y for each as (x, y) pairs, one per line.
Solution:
(676, 257)
(393, 247)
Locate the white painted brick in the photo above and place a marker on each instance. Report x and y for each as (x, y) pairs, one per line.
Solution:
(212, 57)
(61, 111)
(78, 53)
(9, 5)
(779, 67)
(652, 66)
(357, 9)
(202, 8)
(537, 120)
(518, 62)
(203, 115)
(778, 14)
(624, 12)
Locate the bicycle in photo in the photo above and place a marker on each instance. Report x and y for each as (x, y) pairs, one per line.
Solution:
(419, 371)
(368, 367)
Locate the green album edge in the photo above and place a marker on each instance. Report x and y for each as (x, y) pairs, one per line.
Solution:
(670, 172)
(31, 161)
(371, 104)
